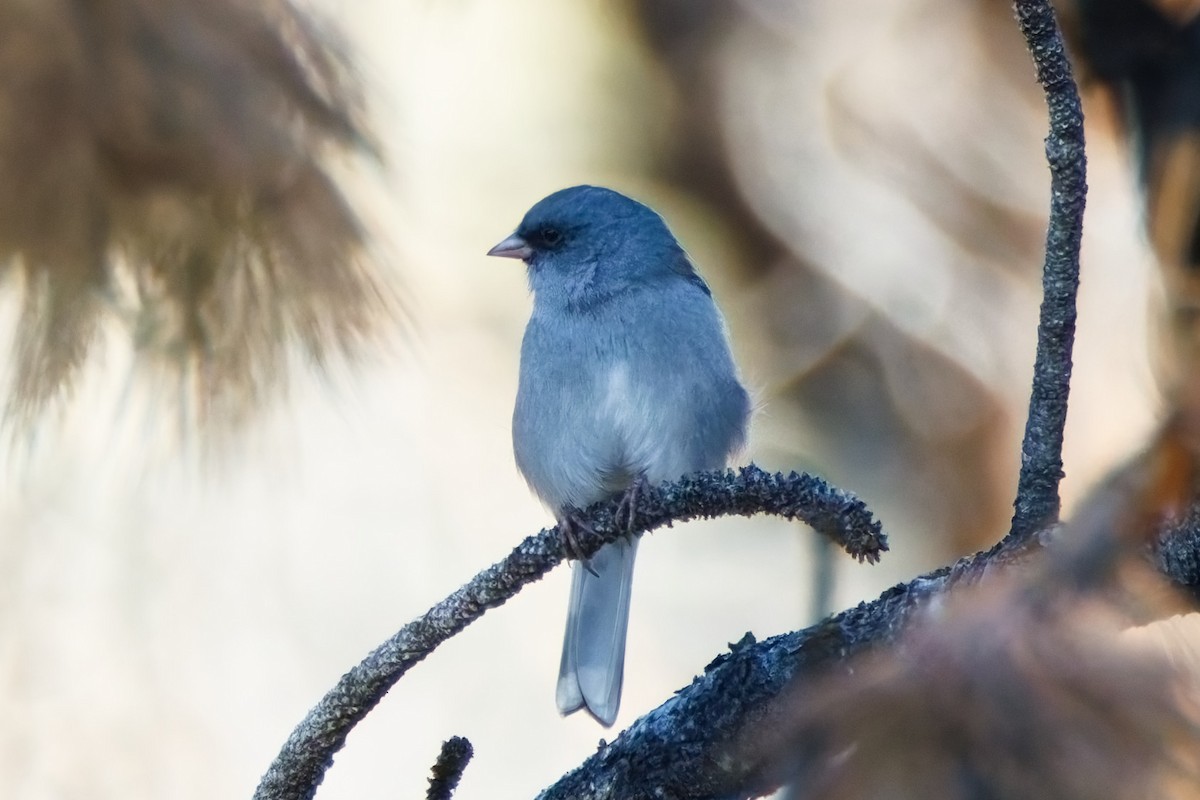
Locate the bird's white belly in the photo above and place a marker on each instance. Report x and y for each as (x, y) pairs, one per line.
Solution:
(647, 430)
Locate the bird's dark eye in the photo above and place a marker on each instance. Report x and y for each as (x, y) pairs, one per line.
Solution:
(551, 237)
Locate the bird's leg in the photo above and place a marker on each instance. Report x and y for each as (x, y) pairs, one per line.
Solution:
(571, 524)
(627, 508)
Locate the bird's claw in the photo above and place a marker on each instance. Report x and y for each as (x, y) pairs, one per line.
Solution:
(627, 507)
(570, 525)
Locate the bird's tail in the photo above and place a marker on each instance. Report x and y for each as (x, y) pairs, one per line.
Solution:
(593, 658)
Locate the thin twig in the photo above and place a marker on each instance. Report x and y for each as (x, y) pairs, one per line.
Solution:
(1037, 502)
(447, 772)
(300, 766)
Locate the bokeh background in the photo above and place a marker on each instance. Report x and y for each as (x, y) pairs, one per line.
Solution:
(863, 186)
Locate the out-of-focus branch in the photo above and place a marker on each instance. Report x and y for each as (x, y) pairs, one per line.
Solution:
(1178, 554)
(693, 745)
(300, 766)
(1037, 503)
(979, 698)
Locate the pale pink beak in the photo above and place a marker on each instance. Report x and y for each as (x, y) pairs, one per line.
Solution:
(512, 247)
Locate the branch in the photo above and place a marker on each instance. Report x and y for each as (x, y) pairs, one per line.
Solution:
(447, 772)
(693, 745)
(1177, 554)
(1037, 503)
(300, 766)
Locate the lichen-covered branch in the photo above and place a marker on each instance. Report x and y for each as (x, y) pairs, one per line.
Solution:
(1037, 503)
(308, 752)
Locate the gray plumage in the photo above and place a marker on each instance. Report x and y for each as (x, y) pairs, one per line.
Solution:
(625, 372)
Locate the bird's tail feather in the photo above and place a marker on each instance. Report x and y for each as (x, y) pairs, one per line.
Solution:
(593, 659)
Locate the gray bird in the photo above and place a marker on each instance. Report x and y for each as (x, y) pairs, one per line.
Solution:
(626, 378)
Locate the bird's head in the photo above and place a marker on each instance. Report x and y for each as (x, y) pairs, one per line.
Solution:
(587, 243)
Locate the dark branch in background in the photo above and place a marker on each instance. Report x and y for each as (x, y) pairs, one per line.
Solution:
(447, 772)
(977, 699)
(694, 744)
(1037, 502)
(301, 764)
(1178, 554)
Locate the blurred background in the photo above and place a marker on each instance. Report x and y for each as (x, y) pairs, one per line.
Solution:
(185, 570)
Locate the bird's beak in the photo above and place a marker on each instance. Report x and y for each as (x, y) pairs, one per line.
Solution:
(512, 247)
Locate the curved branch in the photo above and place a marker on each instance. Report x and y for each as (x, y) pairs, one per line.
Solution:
(1037, 503)
(300, 766)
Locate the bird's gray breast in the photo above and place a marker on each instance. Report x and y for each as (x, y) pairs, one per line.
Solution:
(604, 397)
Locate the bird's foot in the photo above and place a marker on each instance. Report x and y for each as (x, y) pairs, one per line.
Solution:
(627, 507)
(572, 524)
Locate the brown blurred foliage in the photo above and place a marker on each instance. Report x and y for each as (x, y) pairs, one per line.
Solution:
(164, 162)
(992, 697)
(879, 121)
(1142, 57)
(891, 413)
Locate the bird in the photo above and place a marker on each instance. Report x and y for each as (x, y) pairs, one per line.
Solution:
(626, 379)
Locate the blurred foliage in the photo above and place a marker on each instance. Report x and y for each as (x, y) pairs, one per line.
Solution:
(163, 162)
(1142, 57)
(993, 698)
(805, 152)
